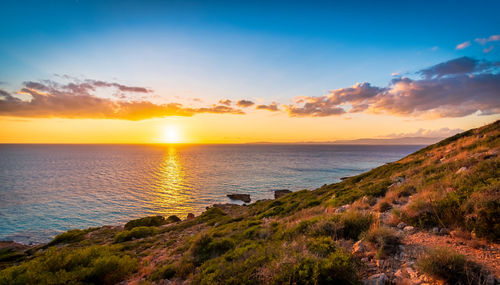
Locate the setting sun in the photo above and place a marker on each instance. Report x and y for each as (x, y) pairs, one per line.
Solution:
(171, 134)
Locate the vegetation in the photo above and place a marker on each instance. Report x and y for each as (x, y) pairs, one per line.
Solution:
(450, 266)
(96, 264)
(299, 238)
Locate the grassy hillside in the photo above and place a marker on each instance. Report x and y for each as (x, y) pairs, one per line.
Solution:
(304, 237)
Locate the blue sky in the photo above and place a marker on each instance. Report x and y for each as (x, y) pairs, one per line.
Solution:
(229, 49)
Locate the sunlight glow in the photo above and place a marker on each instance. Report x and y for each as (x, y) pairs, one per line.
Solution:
(171, 134)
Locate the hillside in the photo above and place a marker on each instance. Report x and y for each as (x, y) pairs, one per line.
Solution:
(431, 217)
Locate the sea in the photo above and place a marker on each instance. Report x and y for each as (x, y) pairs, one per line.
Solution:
(47, 189)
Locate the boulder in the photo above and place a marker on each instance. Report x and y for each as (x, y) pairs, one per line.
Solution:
(401, 225)
(435, 230)
(190, 216)
(241, 197)
(408, 229)
(280, 193)
(377, 279)
(342, 209)
(462, 169)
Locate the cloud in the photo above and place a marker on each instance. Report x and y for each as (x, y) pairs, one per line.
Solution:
(487, 50)
(244, 103)
(273, 107)
(463, 45)
(225, 102)
(459, 65)
(329, 105)
(439, 133)
(455, 88)
(484, 41)
(77, 100)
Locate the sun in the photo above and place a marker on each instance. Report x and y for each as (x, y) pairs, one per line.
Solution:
(171, 134)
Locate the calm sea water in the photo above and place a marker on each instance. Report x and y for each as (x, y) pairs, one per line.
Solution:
(47, 189)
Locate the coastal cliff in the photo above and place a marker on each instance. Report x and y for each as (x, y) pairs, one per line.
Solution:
(432, 217)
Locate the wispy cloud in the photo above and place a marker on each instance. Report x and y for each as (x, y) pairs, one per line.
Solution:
(483, 41)
(463, 45)
(77, 100)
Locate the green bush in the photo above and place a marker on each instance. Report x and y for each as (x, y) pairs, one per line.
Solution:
(69, 237)
(152, 221)
(96, 264)
(336, 268)
(206, 247)
(482, 212)
(322, 246)
(354, 223)
(450, 266)
(173, 219)
(385, 239)
(135, 233)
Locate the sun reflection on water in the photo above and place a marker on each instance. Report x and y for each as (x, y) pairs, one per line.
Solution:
(172, 196)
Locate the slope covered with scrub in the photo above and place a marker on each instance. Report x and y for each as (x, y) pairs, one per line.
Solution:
(305, 237)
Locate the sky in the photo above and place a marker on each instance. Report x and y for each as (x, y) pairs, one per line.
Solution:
(245, 71)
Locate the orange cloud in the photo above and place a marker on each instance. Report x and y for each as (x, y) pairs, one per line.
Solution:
(463, 45)
(78, 101)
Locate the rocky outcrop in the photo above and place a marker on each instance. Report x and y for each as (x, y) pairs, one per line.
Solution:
(280, 193)
(241, 197)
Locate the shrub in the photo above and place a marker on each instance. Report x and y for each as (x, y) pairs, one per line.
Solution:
(337, 268)
(96, 264)
(152, 221)
(450, 266)
(135, 233)
(354, 223)
(213, 215)
(173, 219)
(483, 213)
(385, 239)
(321, 246)
(206, 247)
(384, 206)
(69, 237)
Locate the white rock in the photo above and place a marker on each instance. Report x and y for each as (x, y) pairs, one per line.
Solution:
(401, 225)
(408, 229)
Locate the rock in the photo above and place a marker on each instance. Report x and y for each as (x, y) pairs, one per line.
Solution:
(401, 273)
(462, 169)
(399, 179)
(408, 229)
(377, 279)
(364, 259)
(344, 178)
(242, 197)
(359, 248)
(401, 225)
(280, 193)
(342, 209)
(443, 231)
(435, 230)
(190, 216)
